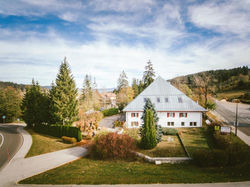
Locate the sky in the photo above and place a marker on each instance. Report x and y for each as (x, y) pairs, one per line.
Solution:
(102, 38)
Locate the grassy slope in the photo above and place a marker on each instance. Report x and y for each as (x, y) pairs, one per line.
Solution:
(231, 94)
(166, 148)
(45, 144)
(87, 171)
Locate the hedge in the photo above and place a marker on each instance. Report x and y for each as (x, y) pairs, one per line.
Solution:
(110, 111)
(59, 131)
(169, 131)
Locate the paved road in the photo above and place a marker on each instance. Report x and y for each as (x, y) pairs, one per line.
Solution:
(227, 110)
(108, 122)
(10, 142)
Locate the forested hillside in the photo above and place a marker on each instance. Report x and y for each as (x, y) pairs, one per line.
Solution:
(218, 83)
(13, 85)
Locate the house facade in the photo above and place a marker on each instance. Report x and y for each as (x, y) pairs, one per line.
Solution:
(173, 107)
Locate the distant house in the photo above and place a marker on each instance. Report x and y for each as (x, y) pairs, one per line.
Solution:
(173, 107)
(108, 99)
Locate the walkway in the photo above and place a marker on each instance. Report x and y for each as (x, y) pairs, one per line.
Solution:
(108, 122)
(20, 168)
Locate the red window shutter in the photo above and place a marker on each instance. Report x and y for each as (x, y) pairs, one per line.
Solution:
(186, 115)
(168, 115)
(173, 114)
(179, 114)
(137, 114)
(131, 115)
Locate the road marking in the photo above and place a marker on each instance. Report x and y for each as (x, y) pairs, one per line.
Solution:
(2, 140)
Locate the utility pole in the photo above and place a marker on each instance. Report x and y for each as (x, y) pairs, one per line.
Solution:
(236, 119)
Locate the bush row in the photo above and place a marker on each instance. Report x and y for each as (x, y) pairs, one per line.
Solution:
(169, 131)
(234, 154)
(110, 111)
(59, 131)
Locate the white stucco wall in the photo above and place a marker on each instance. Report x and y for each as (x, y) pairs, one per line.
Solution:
(163, 119)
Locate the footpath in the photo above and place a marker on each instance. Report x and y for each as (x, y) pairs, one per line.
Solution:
(20, 168)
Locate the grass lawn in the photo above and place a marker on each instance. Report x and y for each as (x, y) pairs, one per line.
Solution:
(44, 144)
(168, 147)
(231, 94)
(194, 138)
(88, 171)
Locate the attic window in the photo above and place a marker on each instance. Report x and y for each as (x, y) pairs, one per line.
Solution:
(179, 99)
(158, 100)
(145, 99)
(166, 100)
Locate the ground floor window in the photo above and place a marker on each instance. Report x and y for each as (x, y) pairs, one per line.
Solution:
(193, 123)
(134, 123)
(170, 123)
(182, 123)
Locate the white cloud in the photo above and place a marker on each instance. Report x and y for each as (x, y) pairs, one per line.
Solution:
(230, 16)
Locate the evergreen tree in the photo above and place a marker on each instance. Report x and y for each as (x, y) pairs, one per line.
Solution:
(148, 75)
(63, 95)
(148, 135)
(122, 81)
(135, 87)
(35, 106)
(150, 105)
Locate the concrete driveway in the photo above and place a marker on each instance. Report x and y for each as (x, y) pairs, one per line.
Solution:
(108, 122)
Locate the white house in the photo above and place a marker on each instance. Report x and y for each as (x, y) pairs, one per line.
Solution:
(173, 107)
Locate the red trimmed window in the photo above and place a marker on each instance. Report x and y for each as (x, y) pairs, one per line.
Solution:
(182, 115)
(170, 114)
(134, 115)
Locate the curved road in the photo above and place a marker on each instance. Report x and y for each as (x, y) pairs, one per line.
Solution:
(10, 142)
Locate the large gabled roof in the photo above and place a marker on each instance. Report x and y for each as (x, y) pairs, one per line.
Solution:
(161, 90)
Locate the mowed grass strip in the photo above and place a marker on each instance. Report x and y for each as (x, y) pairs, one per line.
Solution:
(44, 144)
(194, 139)
(88, 171)
(168, 147)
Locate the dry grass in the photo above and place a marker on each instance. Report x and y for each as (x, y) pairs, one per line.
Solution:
(168, 147)
(44, 144)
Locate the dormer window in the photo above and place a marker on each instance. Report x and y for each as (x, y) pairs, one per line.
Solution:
(158, 100)
(145, 99)
(166, 99)
(179, 99)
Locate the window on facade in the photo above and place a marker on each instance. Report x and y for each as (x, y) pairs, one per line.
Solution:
(193, 123)
(179, 99)
(170, 123)
(135, 115)
(134, 124)
(170, 114)
(182, 123)
(158, 100)
(166, 99)
(182, 115)
(145, 99)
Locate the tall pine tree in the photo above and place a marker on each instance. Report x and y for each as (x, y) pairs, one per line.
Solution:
(148, 75)
(122, 81)
(63, 95)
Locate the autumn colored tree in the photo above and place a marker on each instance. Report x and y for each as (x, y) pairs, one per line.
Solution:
(124, 96)
(10, 103)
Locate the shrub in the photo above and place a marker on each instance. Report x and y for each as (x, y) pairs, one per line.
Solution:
(221, 141)
(59, 131)
(110, 111)
(203, 157)
(119, 123)
(113, 146)
(220, 157)
(148, 131)
(169, 131)
(68, 139)
(238, 153)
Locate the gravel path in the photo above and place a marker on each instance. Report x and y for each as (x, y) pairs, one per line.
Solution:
(108, 122)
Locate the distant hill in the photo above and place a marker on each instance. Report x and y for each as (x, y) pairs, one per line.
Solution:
(14, 85)
(219, 81)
